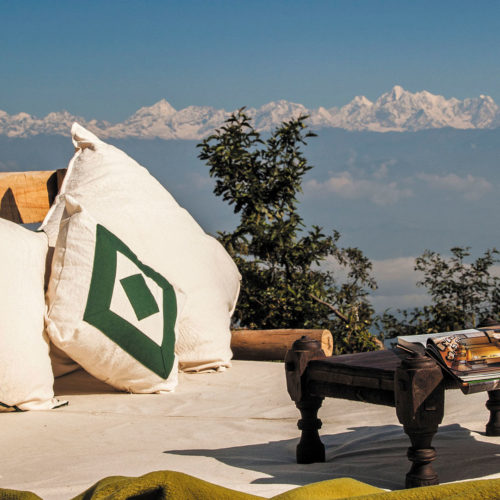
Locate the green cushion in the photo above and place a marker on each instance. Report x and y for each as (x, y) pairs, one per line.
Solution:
(160, 485)
(484, 489)
(344, 487)
(170, 485)
(17, 495)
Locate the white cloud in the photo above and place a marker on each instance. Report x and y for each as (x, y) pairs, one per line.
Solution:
(394, 272)
(383, 170)
(472, 188)
(392, 303)
(345, 185)
(397, 283)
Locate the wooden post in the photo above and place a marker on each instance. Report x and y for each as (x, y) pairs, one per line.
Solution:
(419, 393)
(272, 345)
(25, 197)
(310, 448)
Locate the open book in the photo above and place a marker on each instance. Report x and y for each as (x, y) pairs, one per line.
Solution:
(472, 356)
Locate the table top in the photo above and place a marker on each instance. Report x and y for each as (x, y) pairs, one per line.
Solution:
(375, 369)
(384, 361)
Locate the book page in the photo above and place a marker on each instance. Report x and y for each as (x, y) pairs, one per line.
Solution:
(422, 339)
(472, 355)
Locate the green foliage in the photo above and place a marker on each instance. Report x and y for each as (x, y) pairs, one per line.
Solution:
(463, 294)
(283, 285)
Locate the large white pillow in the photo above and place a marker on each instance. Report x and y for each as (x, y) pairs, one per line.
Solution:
(26, 380)
(108, 309)
(122, 196)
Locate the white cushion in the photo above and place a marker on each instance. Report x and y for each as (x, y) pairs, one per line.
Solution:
(108, 310)
(122, 196)
(26, 380)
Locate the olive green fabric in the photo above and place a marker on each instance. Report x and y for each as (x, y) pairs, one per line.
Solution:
(344, 487)
(160, 485)
(169, 485)
(484, 489)
(17, 495)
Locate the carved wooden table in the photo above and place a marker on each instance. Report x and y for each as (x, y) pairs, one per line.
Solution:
(414, 385)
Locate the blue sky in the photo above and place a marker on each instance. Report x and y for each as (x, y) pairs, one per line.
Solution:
(105, 59)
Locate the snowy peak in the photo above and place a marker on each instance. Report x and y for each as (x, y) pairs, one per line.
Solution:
(161, 109)
(402, 111)
(273, 113)
(25, 125)
(396, 93)
(397, 110)
(361, 101)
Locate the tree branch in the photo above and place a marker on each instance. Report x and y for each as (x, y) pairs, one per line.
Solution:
(335, 311)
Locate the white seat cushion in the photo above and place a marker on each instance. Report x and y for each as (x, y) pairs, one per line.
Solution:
(26, 380)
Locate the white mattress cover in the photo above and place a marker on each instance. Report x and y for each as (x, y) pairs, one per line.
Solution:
(236, 428)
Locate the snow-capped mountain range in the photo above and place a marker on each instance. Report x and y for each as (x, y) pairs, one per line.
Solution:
(395, 111)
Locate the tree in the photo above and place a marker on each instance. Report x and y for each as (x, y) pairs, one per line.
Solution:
(283, 285)
(463, 294)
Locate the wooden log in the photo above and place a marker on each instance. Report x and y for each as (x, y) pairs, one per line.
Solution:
(272, 345)
(25, 197)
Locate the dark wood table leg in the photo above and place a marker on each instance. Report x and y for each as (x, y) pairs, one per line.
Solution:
(419, 395)
(421, 454)
(493, 404)
(310, 448)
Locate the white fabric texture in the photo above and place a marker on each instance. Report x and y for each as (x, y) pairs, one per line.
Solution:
(26, 378)
(79, 274)
(237, 429)
(121, 195)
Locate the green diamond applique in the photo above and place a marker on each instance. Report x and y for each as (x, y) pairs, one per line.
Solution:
(132, 304)
(140, 296)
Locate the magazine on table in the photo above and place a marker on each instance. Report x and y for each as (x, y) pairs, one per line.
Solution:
(471, 356)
